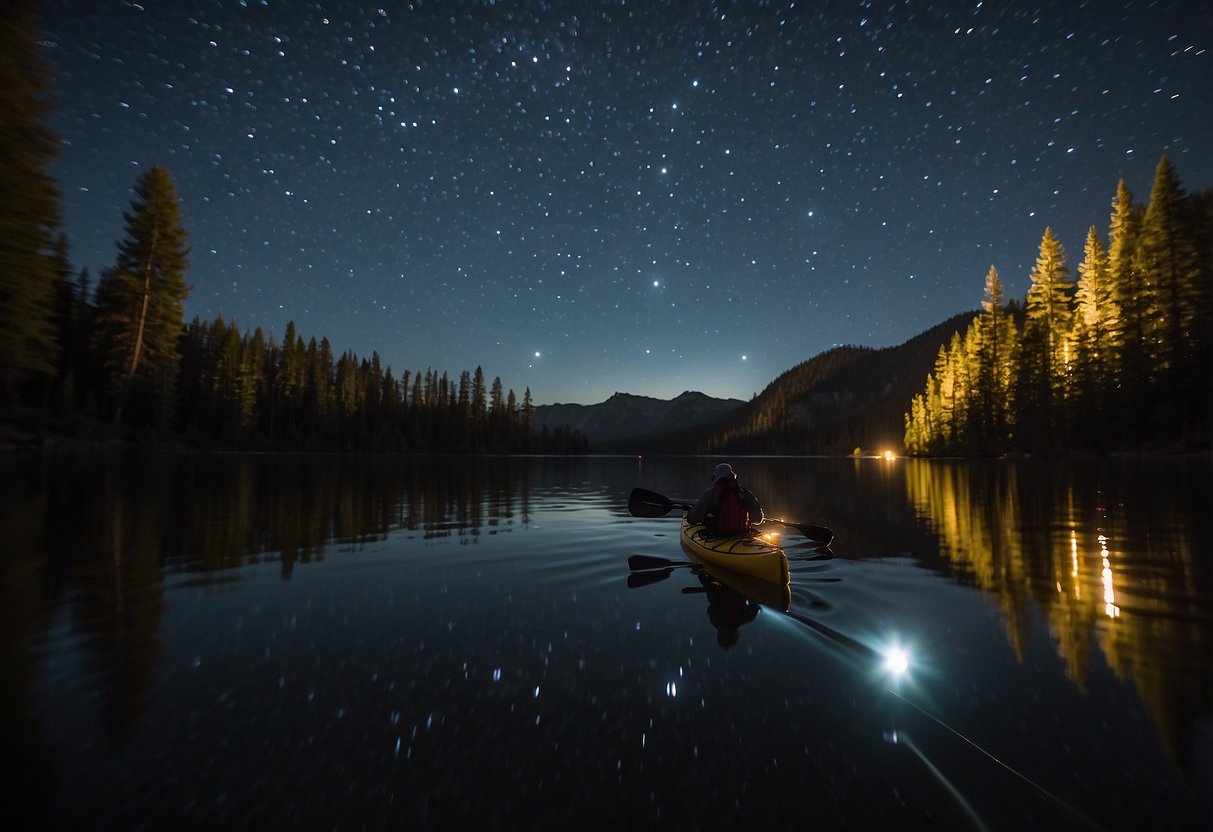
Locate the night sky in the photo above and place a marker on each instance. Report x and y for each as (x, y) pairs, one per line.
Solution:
(641, 196)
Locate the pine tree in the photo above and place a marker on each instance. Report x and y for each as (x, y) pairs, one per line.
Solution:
(1168, 256)
(1132, 400)
(1097, 338)
(528, 416)
(29, 206)
(479, 396)
(1097, 315)
(1048, 301)
(993, 370)
(348, 388)
(942, 401)
(1046, 364)
(140, 317)
(511, 413)
(960, 348)
(417, 400)
(252, 379)
(320, 399)
(224, 381)
(465, 391)
(1164, 259)
(915, 438)
(288, 380)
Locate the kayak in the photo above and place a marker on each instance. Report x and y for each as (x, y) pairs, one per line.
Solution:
(755, 555)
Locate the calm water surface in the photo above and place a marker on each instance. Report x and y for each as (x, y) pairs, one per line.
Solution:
(232, 642)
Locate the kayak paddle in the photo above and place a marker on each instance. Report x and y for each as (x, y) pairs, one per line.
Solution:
(645, 503)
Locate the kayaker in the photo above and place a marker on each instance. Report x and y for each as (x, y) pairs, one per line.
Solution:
(726, 508)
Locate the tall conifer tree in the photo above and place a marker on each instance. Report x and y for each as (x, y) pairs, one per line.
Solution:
(1129, 294)
(528, 412)
(1045, 364)
(1168, 255)
(1097, 338)
(140, 317)
(994, 370)
(479, 396)
(29, 206)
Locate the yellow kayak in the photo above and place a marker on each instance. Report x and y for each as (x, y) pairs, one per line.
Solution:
(758, 556)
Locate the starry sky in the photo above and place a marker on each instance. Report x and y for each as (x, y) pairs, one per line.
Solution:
(635, 195)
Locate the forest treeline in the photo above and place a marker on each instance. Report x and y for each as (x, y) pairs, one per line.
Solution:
(1120, 358)
(121, 353)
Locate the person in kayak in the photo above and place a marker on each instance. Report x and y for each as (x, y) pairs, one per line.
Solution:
(726, 508)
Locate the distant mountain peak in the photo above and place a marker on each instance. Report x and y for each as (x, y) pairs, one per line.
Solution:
(846, 397)
(625, 415)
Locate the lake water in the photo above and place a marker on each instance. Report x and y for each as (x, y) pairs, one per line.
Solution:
(323, 642)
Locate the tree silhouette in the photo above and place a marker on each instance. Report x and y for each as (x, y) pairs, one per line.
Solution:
(140, 317)
(30, 280)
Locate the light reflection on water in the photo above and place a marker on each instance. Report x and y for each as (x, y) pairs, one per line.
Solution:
(240, 641)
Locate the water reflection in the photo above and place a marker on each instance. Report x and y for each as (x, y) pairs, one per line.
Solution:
(733, 600)
(211, 512)
(399, 625)
(1106, 552)
(92, 540)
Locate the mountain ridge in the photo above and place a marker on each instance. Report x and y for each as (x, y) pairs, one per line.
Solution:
(845, 398)
(617, 418)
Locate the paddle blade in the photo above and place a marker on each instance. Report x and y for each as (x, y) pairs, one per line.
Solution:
(639, 579)
(817, 534)
(638, 562)
(645, 503)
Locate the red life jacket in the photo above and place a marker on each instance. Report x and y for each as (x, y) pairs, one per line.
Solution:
(731, 515)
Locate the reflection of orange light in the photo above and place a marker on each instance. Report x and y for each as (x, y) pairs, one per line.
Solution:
(1109, 591)
(770, 537)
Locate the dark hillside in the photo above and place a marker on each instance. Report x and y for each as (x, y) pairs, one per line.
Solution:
(860, 405)
(846, 398)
